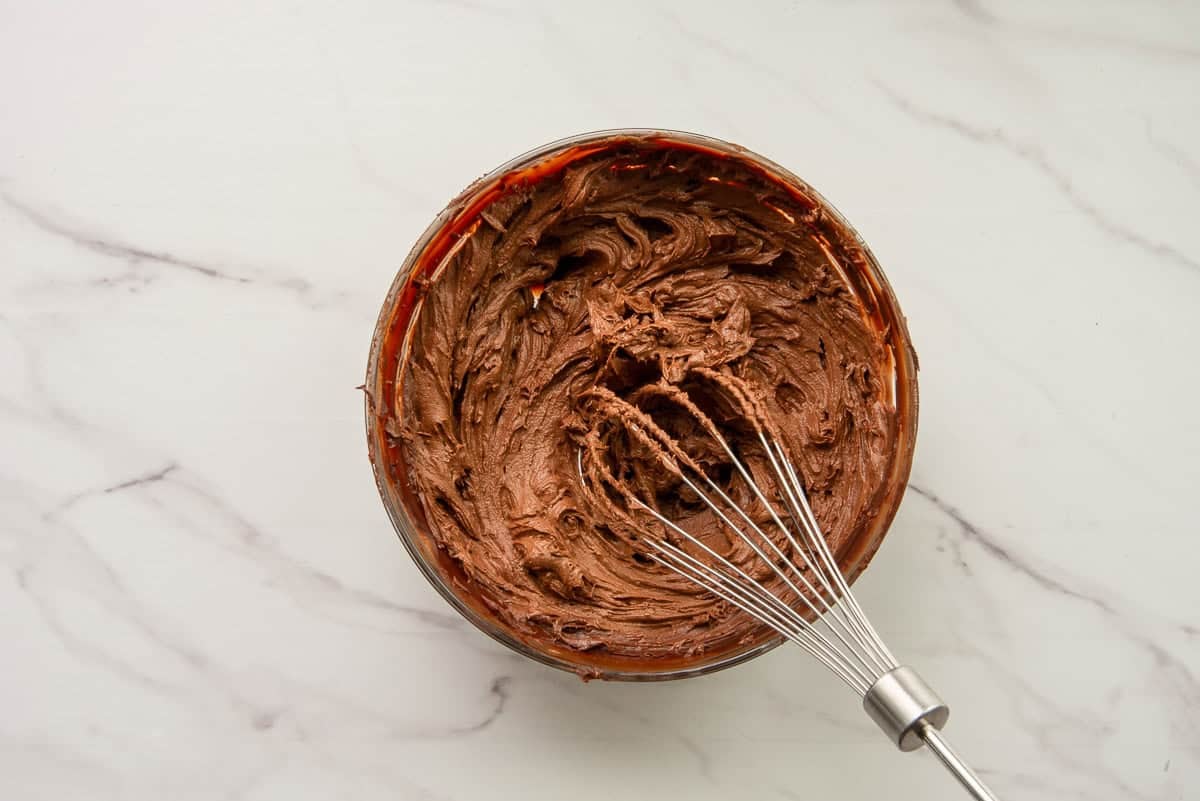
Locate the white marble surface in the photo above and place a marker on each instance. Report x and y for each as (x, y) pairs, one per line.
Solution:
(202, 206)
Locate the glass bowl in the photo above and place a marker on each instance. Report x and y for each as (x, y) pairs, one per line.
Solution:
(390, 344)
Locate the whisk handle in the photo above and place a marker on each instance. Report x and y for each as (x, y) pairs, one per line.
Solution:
(900, 702)
(960, 770)
(910, 713)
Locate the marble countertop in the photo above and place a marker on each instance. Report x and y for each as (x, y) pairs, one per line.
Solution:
(202, 205)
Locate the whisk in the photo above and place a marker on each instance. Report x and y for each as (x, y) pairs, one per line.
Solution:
(838, 635)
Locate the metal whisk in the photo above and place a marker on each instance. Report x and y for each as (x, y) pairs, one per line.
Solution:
(839, 635)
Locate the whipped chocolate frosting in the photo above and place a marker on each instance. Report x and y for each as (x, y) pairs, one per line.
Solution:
(634, 281)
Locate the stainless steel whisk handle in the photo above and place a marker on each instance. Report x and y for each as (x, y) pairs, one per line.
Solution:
(961, 771)
(910, 713)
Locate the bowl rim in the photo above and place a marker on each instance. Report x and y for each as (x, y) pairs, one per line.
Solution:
(904, 389)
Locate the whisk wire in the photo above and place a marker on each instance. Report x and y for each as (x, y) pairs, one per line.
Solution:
(805, 595)
(807, 522)
(753, 586)
(872, 636)
(834, 623)
(751, 600)
(848, 631)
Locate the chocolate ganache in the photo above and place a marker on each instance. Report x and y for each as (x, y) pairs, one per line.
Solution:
(636, 280)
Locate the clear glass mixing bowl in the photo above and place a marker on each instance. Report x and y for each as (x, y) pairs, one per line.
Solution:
(390, 344)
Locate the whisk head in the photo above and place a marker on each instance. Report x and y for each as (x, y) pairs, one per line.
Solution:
(813, 607)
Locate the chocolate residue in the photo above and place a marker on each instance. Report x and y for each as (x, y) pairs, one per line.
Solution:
(635, 281)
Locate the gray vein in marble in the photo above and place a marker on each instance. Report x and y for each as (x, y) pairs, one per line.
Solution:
(500, 694)
(974, 9)
(40, 575)
(1070, 34)
(703, 760)
(46, 401)
(106, 247)
(110, 248)
(366, 169)
(1171, 670)
(79, 647)
(1044, 717)
(743, 58)
(1067, 416)
(1035, 158)
(1177, 156)
(1024, 566)
(265, 720)
(589, 85)
(142, 480)
(621, 713)
(252, 536)
(1074, 34)
(1000, 552)
(109, 593)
